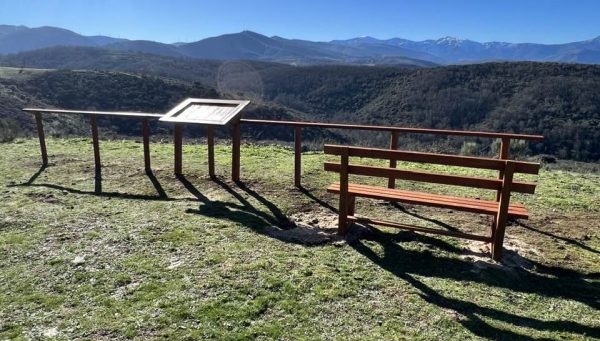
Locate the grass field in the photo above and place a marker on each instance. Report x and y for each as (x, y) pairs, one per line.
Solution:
(189, 258)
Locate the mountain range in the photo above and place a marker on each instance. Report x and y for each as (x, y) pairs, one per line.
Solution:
(363, 50)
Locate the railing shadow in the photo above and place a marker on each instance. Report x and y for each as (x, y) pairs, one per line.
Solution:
(162, 195)
(564, 239)
(36, 175)
(316, 199)
(244, 213)
(421, 217)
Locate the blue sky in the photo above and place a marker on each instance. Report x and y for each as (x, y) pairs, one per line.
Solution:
(542, 21)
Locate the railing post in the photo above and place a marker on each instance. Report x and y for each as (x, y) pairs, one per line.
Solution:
(146, 142)
(235, 153)
(177, 141)
(297, 156)
(503, 155)
(96, 145)
(41, 137)
(210, 141)
(393, 163)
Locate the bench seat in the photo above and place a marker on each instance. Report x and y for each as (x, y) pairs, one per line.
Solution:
(489, 207)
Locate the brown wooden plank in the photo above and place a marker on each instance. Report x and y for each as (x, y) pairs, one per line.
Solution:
(235, 154)
(503, 155)
(344, 200)
(377, 190)
(421, 229)
(473, 206)
(393, 162)
(446, 179)
(433, 158)
(298, 156)
(210, 141)
(95, 143)
(502, 216)
(42, 138)
(178, 148)
(88, 112)
(146, 142)
(351, 205)
(486, 134)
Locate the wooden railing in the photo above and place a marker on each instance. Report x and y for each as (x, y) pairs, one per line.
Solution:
(145, 117)
(394, 131)
(505, 139)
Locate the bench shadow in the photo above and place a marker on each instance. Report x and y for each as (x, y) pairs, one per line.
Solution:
(556, 282)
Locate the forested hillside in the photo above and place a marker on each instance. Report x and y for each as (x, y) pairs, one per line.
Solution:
(561, 101)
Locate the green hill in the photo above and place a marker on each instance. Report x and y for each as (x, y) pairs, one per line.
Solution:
(560, 101)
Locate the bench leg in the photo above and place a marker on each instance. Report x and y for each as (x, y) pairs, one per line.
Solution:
(343, 216)
(498, 236)
(344, 211)
(351, 205)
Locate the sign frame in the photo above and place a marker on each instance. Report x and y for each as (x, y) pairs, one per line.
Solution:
(236, 108)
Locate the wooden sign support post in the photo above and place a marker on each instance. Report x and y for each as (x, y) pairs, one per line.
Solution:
(210, 141)
(235, 152)
(209, 112)
(177, 144)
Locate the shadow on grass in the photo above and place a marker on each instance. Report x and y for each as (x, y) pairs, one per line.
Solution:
(564, 239)
(157, 186)
(36, 175)
(316, 199)
(421, 217)
(245, 211)
(407, 264)
(162, 195)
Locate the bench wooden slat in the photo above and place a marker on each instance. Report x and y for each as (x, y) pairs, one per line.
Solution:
(433, 158)
(424, 195)
(488, 207)
(446, 179)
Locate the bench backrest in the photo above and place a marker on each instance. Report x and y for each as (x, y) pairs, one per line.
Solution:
(504, 166)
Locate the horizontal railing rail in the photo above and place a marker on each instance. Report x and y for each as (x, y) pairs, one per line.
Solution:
(87, 112)
(396, 129)
(505, 138)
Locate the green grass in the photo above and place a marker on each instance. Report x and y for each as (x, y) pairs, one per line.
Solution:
(211, 259)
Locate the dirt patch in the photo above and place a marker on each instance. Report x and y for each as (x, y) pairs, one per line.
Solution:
(44, 197)
(303, 234)
(317, 218)
(317, 227)
(512, 256)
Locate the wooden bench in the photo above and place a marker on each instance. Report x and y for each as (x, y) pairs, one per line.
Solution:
(500, 208)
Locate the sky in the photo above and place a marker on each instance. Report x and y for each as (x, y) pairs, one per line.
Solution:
(538, 21)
